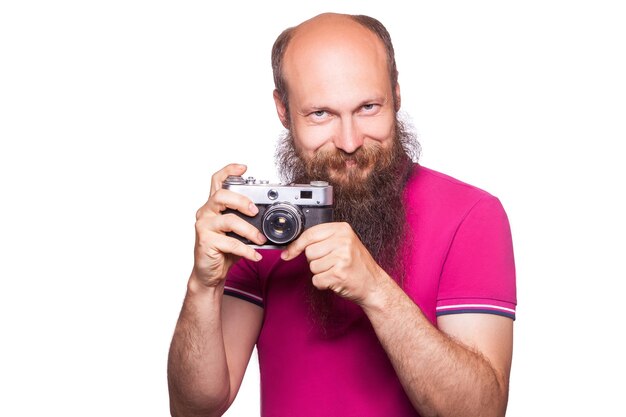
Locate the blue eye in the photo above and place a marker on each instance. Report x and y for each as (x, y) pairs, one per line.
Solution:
(319, 113)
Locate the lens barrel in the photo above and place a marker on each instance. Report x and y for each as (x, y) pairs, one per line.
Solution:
(282, 223)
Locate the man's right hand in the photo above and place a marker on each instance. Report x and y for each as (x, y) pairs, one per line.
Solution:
(215, 252)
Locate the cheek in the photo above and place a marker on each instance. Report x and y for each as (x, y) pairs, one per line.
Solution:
(379, 129)
(308, 139)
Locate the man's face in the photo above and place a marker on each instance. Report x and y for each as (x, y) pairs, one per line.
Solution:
(340, 99)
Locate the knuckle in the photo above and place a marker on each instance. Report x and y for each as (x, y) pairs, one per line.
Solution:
(205, 225)
(318, 281)
(231, 220)
(228, 217)
(230, 245)
(218, 175)
(202, 243)
(218, 195)
(344, 229)
(341, 274)
(200, 226)
(216, 183)
(234, 246)
(343, 243)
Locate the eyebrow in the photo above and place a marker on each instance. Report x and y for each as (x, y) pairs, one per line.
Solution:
(310, 108)
(305, 110)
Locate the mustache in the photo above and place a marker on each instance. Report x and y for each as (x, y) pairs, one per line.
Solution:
(353, 171)
(336, 159)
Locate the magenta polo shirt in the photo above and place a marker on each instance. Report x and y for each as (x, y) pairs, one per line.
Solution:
(460, 260)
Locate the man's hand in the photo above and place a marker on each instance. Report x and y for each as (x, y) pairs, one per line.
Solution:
(339, 262)
(215, 252)
(215, 335)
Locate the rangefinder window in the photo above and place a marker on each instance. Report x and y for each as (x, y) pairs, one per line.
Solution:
(306, 194)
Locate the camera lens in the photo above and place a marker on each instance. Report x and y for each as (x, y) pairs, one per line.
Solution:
(282, 223)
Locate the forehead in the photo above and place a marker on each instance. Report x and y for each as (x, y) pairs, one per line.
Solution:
(333, 55)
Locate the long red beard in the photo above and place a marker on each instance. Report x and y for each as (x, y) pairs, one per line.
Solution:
(368, 196)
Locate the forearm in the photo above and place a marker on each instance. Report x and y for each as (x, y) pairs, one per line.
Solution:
(198, 376)
(441, 376)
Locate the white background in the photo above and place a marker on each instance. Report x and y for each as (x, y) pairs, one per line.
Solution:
(113, 116)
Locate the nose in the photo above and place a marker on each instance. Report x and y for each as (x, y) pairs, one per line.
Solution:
(349, 138)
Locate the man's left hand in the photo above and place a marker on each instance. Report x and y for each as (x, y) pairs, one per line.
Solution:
(339, 262)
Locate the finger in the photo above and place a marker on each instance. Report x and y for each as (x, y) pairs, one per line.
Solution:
(230, 245)
(325, 281)
(321, 265)
(315, 234)
(318, 250)
(226, 199)
(233, 223)
(220, 176)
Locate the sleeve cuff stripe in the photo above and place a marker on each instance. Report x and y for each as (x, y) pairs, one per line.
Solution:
(234, 292)
(441, 309)
(483, 311)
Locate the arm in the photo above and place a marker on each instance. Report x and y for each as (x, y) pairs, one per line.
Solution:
(462, 369)
(459, 370)
(215, 335)
(210, 350)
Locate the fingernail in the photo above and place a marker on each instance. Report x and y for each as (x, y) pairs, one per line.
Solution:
(284, 255)
(261, 238)
(253, 208)
(258, 256)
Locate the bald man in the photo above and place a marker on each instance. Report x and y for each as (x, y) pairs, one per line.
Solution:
(402, 306)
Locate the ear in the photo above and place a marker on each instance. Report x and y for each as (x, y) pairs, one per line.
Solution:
(281, 109)
(398, 99)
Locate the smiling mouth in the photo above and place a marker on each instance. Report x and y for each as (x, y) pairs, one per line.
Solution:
(351, 171)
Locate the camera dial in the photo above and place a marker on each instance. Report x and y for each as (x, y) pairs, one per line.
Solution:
(234, 180)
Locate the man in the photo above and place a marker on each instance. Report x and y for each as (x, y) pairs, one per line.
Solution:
(403, 306)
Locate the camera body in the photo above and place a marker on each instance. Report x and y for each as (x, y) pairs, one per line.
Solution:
(285, 211)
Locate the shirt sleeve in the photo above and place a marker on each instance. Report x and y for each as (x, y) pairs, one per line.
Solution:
(242, 282)
(478, 275)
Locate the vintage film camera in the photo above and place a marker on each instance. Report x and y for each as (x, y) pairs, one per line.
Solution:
(285, 211)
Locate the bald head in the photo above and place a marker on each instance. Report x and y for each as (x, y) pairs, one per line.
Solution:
(332, 31)
(332, 42)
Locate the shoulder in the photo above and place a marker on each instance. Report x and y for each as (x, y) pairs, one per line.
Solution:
(434, 183)
(432, 192)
